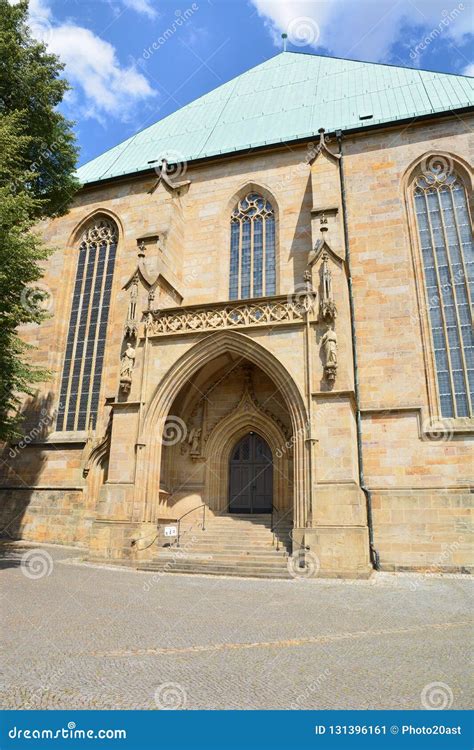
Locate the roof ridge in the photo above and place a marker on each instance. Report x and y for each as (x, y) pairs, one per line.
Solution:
(370, 62)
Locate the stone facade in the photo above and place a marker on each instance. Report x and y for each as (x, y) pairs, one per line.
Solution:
(206, 371)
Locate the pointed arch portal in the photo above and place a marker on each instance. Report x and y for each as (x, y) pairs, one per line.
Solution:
(223, 439)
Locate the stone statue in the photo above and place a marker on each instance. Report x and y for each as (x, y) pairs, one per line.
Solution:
(327, 307)
(194, 440)
(126, 363)
(329, 344)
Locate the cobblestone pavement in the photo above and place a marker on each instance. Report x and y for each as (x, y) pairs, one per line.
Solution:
(82, 636)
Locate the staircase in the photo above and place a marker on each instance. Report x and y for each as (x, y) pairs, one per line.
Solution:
(231, 545)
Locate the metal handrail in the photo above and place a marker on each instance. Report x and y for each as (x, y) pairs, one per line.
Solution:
(203, 506)
(274, 525)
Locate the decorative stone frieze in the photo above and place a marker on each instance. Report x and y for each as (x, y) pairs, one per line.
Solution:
(270, 312)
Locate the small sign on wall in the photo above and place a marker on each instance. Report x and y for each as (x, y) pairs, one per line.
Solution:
(171, 531)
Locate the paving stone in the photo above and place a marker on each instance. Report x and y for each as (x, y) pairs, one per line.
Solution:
(89, 636)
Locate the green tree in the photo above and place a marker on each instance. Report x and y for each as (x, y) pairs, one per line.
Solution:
(37, 161)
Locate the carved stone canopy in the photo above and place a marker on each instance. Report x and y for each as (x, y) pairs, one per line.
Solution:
(320, 248)
(323, 148)
(168, 177)
(142, 275)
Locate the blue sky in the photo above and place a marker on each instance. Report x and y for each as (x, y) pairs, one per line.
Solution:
(132, 62)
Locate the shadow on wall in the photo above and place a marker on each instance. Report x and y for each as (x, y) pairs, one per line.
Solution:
(21, 464)
(302, 242)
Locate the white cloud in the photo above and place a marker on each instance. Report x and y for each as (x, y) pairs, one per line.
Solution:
(469, 70)
(142, 6)
(366, 29)
(101, 85)
(92, 64)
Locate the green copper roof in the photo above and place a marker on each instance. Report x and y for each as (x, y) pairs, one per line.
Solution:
(288, 97)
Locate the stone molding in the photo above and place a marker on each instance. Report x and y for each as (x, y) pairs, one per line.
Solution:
(265, 312)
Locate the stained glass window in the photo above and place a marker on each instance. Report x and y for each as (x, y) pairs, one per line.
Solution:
(444, 230)
(252, 248)
(84, 358)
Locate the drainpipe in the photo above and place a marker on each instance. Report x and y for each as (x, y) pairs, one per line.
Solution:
(374, 555)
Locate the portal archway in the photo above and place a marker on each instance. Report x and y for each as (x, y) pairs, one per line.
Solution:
(235, 345)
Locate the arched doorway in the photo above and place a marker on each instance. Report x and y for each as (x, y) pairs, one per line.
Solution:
(251, 476)
(290, 475)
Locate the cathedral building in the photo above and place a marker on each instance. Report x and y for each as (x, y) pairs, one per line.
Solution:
(260, 339)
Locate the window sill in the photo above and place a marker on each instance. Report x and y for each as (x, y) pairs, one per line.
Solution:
(444, 429)
(70, 436)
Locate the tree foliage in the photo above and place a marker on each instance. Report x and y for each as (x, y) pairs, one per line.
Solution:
(37, 162)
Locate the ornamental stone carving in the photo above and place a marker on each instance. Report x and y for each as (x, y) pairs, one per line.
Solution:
(102, 230)
(210, 318)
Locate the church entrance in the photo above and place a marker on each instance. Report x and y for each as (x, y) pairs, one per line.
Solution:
(251, 476)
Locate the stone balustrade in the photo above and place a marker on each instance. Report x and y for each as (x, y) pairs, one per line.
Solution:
(273, 311)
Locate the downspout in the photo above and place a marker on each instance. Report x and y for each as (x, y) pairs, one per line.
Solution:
(374, 556)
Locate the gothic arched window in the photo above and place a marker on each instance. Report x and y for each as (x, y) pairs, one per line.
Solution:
(444, 230)
(252, 248)
(82, 369)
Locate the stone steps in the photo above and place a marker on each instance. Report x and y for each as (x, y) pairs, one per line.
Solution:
(234, 548)
(264, 556)
(213, 536)
(213, 567)
(229, 545)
